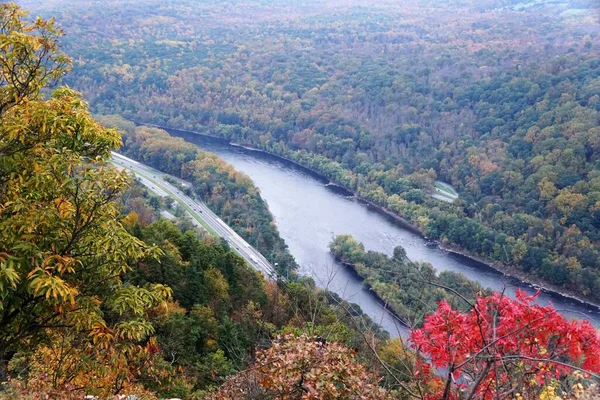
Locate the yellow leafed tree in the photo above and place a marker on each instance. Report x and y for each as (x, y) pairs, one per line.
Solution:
(63, 249)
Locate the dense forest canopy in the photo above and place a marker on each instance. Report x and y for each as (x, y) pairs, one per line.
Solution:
(498, 98)
(229, 193)
(100, 298)
(411, 289)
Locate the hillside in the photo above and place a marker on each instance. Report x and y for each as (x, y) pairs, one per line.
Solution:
(101, 298)
(496, 98)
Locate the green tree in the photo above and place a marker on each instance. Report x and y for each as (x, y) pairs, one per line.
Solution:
(63, 249)
(28, 56)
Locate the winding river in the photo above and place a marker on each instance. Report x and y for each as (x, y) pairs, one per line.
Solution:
(309, 213)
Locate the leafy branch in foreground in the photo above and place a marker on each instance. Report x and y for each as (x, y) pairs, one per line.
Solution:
(502, 347)
(63, 250)
(29, 56)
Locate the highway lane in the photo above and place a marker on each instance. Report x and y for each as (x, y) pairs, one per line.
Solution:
(197, 210)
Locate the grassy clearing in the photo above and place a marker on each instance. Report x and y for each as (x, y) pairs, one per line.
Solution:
(445, 189)
(445, 195)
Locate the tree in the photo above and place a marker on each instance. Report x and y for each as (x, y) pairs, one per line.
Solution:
(502, 347)
(303, 368)
(400, 253)
(63, 249)
(67, 369)
(347, 248)
(28, 56)
(567, 202)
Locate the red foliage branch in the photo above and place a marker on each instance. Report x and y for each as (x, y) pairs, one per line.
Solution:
(502, 346)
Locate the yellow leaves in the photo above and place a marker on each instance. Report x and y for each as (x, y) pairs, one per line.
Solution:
(549, 393)
(64, 207)
(36, 168)
(43, 282)
(216, 284)
(573, 264)
(9, 277)
(166, 309)
(67, 369)
(581, 387)
(101, 335)
(136, 302)
(163, 292)
(135, 330)
(474, 160)
(395, 353)
(58, 263)
(30, 55)
(567, 201)
(131, 219)
(52, 287)
(211, 344)
(547, 189)
(64, 247)
(423, 222)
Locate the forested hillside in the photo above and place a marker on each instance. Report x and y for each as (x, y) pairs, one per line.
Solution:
(498, 98)
(99, 298)
(229, 193)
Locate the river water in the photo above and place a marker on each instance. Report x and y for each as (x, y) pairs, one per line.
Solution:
(309, 214)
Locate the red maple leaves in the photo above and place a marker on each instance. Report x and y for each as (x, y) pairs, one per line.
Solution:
(502, 346)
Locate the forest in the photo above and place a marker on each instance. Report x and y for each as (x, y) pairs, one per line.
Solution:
(412, 290)
(101, 298)
(497, 98)
(229, 193)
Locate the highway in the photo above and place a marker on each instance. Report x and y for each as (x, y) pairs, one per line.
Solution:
(200, 214)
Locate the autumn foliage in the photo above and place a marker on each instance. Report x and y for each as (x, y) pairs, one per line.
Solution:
(304, 368)
(71, 368)
(65, 307)
(503, 347)
(88, 308)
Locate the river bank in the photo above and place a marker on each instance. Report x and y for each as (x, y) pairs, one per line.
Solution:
(502, 269)
(384, 304)
(513, 272)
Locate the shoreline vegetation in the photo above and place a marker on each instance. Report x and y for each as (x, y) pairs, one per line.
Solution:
(137, 142)
(506, 270)
(101, 297)
(230, 193)
(386, 109)
(411, 289)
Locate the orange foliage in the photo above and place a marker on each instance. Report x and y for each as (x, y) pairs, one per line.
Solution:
(304, 368)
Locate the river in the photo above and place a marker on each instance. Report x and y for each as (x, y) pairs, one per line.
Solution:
(309, 214)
